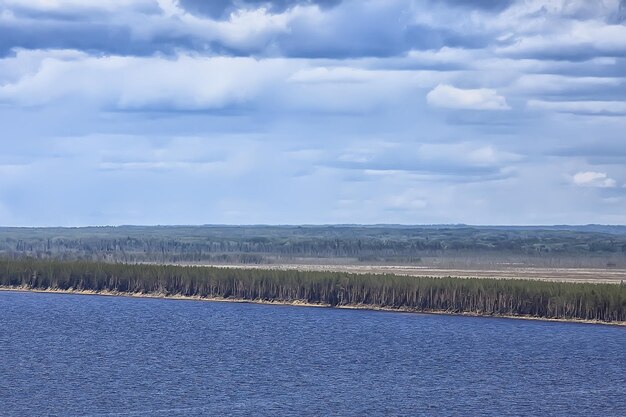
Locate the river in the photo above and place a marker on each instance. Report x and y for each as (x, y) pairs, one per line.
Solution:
(82, 355)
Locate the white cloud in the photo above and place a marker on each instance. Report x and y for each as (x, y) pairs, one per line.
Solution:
(444, 55)
(465, 154)
(593, 179)
(185, 82)
(595, 38)
(195, 82)
(163, 166)
(332, 75)
(452, 160)
(593, 107)
(12, 171)
(245, 26)
(548, 83)
(450, 97)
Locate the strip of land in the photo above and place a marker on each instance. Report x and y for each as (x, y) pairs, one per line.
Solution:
(582, 275)
(489, 297)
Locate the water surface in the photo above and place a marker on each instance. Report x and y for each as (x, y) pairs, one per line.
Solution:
(78, 355)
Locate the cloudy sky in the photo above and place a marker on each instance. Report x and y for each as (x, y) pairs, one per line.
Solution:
(327, 111)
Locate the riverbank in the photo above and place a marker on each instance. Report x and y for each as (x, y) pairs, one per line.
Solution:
(489, 297)
(298, 303)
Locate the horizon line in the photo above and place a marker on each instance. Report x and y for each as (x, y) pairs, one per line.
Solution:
(315, 225)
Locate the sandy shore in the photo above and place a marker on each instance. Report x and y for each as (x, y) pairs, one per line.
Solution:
(299, 303)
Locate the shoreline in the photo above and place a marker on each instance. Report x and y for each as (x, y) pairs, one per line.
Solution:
(298, 303)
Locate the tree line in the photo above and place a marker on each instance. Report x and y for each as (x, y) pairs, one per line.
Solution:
(604, 302)
(267, 244)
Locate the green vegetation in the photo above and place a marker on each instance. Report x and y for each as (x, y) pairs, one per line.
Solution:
(577, 246)
(480, 296)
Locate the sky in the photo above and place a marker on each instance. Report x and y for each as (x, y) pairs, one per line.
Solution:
(312, 112)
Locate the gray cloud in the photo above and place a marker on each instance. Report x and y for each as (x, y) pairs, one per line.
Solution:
(322, 28)
(219, 9)
(338, 29)
(490, 5)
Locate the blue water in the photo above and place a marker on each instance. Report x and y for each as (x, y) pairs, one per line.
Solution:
(77, 355)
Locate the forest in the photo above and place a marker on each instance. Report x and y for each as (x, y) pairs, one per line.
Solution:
(575, 246)
(602, 302)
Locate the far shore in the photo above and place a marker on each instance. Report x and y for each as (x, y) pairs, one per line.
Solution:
(299, 303)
